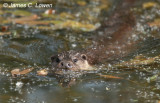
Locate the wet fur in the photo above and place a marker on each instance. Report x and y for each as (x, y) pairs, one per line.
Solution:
(115, 43)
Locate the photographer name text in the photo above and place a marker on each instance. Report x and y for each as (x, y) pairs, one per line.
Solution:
(29, 5)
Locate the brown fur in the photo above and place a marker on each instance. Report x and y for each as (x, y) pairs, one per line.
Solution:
(115, 43)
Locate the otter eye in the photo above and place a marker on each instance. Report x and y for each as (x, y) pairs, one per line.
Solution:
(84, 56)
(75, 60)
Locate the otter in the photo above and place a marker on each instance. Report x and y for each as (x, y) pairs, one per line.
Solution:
(115, 43)
(71, 60)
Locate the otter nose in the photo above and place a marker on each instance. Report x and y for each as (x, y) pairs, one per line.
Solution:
(66, 65)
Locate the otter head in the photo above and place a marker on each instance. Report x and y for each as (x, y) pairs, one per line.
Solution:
(70, 60)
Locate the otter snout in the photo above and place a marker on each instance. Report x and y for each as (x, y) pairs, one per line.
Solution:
(65, 64)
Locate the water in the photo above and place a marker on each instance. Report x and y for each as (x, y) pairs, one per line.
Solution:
(32, 47)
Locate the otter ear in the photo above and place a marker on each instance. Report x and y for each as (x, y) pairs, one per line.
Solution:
(53, 58)
(84, 56)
